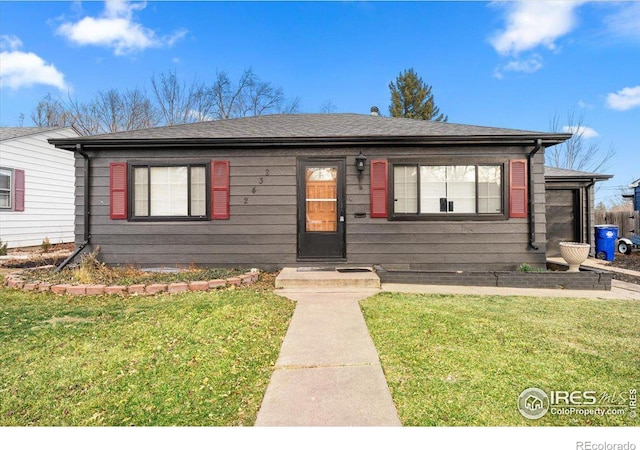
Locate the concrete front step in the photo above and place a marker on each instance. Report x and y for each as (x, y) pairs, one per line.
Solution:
(302, 278)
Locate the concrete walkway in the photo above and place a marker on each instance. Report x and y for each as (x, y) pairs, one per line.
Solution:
(328, 372)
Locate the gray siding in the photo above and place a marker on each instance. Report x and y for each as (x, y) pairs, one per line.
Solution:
(262, 229)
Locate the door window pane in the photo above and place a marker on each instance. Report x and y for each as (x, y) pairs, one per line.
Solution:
(321, 199)
(405, 189)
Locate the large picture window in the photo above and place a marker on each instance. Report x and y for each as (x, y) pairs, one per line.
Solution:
(431, 190)
(169, 191)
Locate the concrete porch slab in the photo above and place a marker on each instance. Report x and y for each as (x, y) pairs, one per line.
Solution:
(294, 278)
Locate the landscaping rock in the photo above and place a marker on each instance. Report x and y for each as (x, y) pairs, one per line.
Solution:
(44, 287)
(95, 289)
(177, 287)
(247, 278)
(198, 286)
(155, 288)
(234, 281)
(115, 290)
(30, 287)
(15, 282)
(214, 284)
(77, 290)
(136, 289)
(60, 288)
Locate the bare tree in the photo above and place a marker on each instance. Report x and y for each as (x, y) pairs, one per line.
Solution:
(250, 96)
(579, 152)
(50, 112)
(174, 102)
(178, 102)
(112, 111)
(327, 107)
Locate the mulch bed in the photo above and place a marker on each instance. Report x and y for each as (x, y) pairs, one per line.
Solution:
(25, 258)
(629, 262)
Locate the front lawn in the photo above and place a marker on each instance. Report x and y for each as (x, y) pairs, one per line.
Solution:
(464, 360)
(185, 359)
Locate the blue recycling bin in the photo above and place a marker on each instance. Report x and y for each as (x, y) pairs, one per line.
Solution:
(606, 236)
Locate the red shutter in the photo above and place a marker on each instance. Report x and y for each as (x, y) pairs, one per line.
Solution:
(219, 190)
(118, 190)
(518, 200)
(18, 188)
(379, 188)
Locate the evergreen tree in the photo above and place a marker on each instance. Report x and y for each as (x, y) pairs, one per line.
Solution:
(412, 98)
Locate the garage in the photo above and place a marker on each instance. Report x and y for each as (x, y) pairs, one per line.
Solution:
(569, 202)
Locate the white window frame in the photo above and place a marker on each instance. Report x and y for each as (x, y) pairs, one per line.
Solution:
(10, 190)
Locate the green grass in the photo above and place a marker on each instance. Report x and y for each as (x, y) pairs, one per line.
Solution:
(463, 360)
(187, 359)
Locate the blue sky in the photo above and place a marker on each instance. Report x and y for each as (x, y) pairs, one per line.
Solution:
(504, 64)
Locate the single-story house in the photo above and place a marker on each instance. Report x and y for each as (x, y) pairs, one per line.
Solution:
(36, 186)
(570, 207)
(312, 190)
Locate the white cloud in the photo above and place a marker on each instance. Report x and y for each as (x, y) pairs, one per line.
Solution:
(585, 132)
(624, 99)
(23, 69)
(534, 23)
(625, 22)
(528, 65)
(116, 28)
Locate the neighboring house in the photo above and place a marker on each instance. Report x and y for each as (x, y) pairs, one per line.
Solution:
(570, 207)
(634, 196)
(285, 190)
(36, 187)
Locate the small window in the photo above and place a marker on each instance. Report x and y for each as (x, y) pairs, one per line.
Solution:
(171, 192)
(6, 184)
(429, 190)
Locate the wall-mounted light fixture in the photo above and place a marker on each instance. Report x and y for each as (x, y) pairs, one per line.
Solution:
(361, 160)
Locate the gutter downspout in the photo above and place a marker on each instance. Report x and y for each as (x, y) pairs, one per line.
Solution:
(87, 235)
(588, 201)
(532, 234)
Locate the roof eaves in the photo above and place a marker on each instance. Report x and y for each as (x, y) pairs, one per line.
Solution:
(526, 139)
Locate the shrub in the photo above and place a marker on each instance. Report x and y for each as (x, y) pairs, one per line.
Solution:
(46, 245)
(3, 248)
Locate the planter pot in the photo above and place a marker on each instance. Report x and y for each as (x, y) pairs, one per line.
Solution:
(574, 253)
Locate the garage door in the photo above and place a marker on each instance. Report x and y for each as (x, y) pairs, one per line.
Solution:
(562, 218)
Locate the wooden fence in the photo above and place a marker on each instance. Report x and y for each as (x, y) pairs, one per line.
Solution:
(628, 222)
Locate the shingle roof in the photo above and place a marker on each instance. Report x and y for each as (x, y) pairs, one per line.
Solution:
(16, 132)
(557, 172)
(313, 126)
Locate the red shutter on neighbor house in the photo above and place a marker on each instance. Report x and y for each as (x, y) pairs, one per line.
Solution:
(219, 190)
(518, 188)
(118, 190)
(379, 193)
(18, 188)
